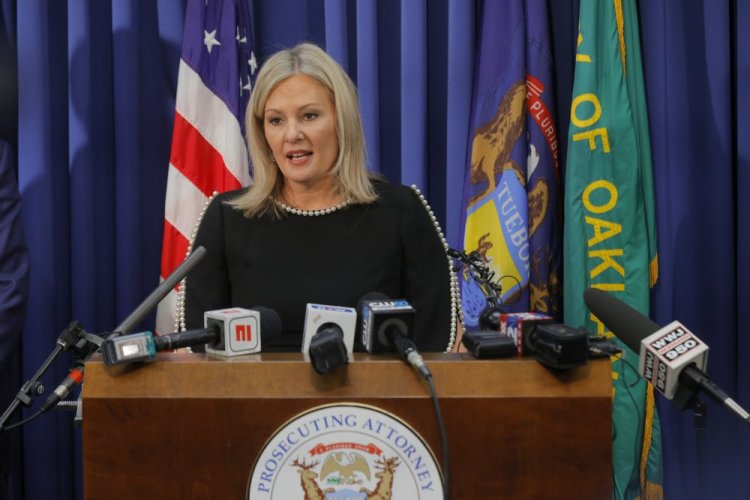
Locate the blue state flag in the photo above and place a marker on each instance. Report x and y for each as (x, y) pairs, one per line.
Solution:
(510, 194)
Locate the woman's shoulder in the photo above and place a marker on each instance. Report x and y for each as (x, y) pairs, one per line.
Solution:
(218, 208)
(392, 193)
(221, 202)
(227, 196)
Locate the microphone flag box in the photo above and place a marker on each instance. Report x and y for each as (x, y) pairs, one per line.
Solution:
(239, 331)
(317, 315)
(378, 316)
(519, 327)
(666, 352)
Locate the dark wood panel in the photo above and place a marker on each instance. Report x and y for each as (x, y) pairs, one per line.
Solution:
(191, 427)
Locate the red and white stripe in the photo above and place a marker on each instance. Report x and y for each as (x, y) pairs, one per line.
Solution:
(208, 155)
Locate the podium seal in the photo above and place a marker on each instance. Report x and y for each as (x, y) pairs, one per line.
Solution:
(345, 451)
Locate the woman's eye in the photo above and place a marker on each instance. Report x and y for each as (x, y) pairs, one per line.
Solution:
(274, 121)
(310, 116)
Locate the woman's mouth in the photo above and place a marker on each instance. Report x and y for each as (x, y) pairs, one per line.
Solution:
(299, 156)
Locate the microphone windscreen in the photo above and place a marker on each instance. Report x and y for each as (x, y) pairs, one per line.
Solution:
(626, 323)
(270, 323)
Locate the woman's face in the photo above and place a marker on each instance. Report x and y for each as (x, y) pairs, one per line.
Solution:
(299, 122)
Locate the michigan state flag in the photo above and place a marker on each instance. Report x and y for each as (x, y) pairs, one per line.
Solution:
(511, 217)
(610, 235)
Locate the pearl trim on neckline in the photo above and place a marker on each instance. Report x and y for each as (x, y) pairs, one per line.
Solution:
(311, 213)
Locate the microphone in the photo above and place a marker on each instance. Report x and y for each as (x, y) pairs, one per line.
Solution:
(74, 378)
(671, 358)
(386, 327)
(520, 327)
(140, 312)
(328, 336)
(553, 344)
(161, 291)
(228, 332)
(143, 346)
(240, 330)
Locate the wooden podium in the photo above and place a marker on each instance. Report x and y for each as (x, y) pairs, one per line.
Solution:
(191, 426)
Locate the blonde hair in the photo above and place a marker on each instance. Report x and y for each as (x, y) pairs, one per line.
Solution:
(351, 178)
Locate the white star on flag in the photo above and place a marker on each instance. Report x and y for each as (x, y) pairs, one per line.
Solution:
(247, 86)
(243, 39)
(253, 63)
(208, 153)
(209, 40)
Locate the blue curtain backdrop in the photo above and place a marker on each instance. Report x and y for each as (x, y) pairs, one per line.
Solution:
(697, 70)
(97, 81)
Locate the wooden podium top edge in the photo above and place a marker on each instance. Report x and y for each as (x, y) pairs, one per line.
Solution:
(287, 375)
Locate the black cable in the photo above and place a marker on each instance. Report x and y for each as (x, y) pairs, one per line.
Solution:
(484, 277)
(443, 437)
(22, 422)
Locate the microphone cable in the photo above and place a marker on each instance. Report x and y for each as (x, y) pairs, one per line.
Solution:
(443, 434)
(22, 422)
(426, 374)
(65, 405)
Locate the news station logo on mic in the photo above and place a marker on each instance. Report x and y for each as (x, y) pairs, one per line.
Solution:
(239, 330)
(318, 315)
(378, 315)
(666, 352)
(518, 326)
(345, 451)
(243, 332)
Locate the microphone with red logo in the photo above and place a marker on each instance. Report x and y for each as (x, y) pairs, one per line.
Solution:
(671, 357)
(239, 330)
(229, 332)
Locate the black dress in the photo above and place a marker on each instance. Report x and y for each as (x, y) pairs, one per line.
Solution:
(389, 246)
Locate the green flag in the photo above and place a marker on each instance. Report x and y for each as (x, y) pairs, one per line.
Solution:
(609, 230)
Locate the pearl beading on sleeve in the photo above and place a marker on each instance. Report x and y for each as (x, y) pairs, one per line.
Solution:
(179, 317)
(456, 309)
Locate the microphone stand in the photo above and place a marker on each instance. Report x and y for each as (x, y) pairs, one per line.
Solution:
(84, 344)
(75, 338)
(485, 278)
(699, 426)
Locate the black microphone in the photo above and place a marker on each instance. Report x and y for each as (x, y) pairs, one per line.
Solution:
(161, 291)
(387, 326)
(327, 350)
(553, 344)
(74, 378)
(133, 319)
(560, 346)
(671, 358)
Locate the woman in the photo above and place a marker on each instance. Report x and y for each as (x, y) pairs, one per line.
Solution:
(315, 226)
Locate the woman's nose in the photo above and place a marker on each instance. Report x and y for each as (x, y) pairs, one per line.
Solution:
(293, 131)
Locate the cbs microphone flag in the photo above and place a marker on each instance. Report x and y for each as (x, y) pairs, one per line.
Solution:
(609, 238)
(209, 153)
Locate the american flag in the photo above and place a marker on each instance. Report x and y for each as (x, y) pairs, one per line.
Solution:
(208, 154)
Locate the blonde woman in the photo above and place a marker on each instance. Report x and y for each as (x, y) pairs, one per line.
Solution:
(316, 226)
